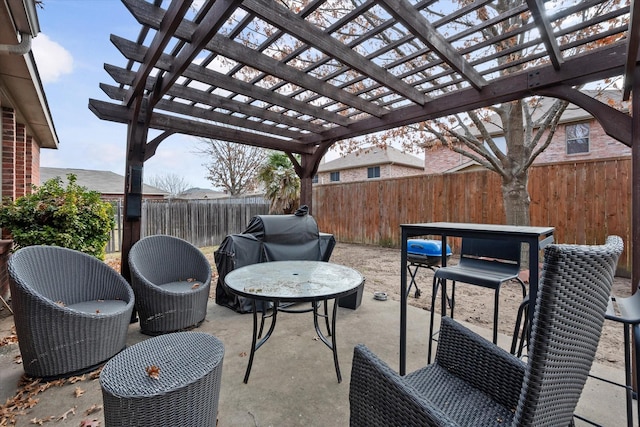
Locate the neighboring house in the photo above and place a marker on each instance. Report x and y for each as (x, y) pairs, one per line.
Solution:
(578, 137)
(109, 184)
(26, 125)
(369, 163)
(201, 193)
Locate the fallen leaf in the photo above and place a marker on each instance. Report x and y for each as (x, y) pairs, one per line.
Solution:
(90, 423)
(95, 374)
(60, 303)
(97, 311)
(76, 379)
(41, 421)
(78, 392)
(195, 286)
(70, 411)
(243, 354)
(153, 371)
(93, 409)
(18, 359)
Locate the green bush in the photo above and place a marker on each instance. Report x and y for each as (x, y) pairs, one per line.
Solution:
(71, 217)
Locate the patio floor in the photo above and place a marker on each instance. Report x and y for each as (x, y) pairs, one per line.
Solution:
(293, 381)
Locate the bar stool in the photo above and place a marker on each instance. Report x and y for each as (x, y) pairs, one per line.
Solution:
(628, 313)
(622, 310)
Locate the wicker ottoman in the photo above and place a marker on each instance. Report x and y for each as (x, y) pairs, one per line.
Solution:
(169, 380)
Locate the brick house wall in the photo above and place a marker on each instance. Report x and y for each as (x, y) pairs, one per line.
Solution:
(601, 146)
(360, 174)
(20, 159)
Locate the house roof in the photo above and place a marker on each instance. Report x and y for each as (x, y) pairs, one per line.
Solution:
(573, 113)
(20, 84)
(104, 182)
(373, 156)
(201, 193)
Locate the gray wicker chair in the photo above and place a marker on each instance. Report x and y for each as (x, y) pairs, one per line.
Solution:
(72, 311)
(171, 280)
(475, 383)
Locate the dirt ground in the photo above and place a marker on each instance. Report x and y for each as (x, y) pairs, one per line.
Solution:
(474, 304)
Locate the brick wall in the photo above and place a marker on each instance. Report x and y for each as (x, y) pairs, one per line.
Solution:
(8, 153)
(601, 146)
(20, 160)
(360, 174)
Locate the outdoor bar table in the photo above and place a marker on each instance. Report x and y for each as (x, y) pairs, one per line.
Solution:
(294, 282)
(535, 237)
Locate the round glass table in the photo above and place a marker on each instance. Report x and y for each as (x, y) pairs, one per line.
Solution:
(294, 282)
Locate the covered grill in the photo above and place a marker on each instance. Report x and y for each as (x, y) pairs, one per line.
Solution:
(423, 253)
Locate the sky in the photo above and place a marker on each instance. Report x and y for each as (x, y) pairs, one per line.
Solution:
(70, 53)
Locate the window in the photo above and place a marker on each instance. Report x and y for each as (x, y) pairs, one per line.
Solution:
(373, 172)
(335, 177)
(314, 180)
(577, 138)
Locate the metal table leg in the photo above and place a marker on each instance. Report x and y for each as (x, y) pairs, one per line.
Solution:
(255, 344)
(331, 344)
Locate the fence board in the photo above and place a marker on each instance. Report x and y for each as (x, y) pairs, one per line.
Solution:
(585, 201)
(201, 222)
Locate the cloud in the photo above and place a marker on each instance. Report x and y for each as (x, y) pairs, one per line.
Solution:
(53, 60)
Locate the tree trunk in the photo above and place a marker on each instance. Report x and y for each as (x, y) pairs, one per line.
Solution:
(516, 198)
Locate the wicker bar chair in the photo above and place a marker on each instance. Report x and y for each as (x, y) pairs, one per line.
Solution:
(171, 280)
(72, 311)
(475, 383)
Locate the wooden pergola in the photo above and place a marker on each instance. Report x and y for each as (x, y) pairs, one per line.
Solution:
(299, 75)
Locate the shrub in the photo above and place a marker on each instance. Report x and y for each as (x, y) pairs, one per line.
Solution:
(71, 217)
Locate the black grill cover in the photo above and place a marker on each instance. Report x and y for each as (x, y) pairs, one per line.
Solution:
(269, 238)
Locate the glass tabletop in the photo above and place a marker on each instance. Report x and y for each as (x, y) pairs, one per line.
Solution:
(293, 280)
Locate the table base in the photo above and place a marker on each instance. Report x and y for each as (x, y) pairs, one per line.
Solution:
(258, 340)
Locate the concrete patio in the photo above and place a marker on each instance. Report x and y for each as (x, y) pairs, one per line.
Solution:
(293, 381)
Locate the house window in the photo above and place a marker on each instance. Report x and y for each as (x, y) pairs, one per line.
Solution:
(335, 176)
(373, 172)
(314, 180)
(577, 138)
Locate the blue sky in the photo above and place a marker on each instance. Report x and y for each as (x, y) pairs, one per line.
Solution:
(70, 52)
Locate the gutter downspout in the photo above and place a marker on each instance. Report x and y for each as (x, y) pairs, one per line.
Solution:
(17, 49)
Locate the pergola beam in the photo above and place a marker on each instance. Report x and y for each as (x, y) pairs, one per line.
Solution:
(207, 28)
(607, 62)
(418, 25)
(286, 20)
(196, 112)
(152, 16)
(199, 73)
(120, 75)
(633, 46)
(163, 122)
(536, 7)
(163, 36)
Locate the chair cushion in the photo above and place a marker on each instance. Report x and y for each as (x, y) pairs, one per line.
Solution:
(461, 402)
(181, 287)
(99, 306)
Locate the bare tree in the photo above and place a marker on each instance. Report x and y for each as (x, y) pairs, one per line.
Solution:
(169, 182)
(232, 166)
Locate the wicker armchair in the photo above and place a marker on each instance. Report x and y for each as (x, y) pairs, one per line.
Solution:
(171, 280)
(72, 311)
(474, 383)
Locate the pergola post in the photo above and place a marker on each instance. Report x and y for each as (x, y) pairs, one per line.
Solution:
(138, 130)
(635, 182)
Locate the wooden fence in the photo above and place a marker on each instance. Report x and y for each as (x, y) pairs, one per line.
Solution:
(201, 222)
(584, 201)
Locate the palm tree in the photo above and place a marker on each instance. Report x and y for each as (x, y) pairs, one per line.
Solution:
(281, 183)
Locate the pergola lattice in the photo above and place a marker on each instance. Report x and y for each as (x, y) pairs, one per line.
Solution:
(300, 75)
